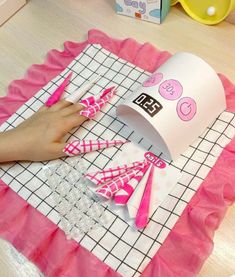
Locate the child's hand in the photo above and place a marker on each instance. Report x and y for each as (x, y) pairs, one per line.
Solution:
(41, 136)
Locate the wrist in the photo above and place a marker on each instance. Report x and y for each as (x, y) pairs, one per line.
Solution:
(10, 149)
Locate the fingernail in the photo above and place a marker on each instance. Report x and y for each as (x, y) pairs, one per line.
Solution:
(77, 94)
(56, 95)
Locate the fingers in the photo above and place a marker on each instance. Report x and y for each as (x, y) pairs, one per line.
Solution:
(43, 108)
(71, 109)
(60, 105)
(73, 97)
(57, 150)
(64, 106)
(74, 120)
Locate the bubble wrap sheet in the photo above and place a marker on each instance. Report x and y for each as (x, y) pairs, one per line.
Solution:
(79, 207)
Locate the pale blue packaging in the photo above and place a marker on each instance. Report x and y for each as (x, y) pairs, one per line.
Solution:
(150, 10)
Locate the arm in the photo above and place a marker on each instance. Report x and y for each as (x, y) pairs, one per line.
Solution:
(8, 150)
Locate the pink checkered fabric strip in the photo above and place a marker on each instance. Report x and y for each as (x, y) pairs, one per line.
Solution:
(88, 101)
(107, 91)
(108, 174)
(73, 148)
(77, 147)
(91, 110)
(109, 189)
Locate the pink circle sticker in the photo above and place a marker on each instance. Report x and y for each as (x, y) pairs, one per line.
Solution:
(171, 89)
(153, 80)
(186, 108)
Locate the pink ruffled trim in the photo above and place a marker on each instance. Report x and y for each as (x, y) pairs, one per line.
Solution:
(43, 242)
(190, 241)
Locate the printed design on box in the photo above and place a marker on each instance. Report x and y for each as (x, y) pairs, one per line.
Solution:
(119, 9)
(149, 10)
(153, 80)
(155, 13)
(171, 89)
(150, 157)
(140, 5)
(149, 104)
(186, 108)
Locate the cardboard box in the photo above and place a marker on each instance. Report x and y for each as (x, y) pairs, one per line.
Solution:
(8, 8)
(150, 10)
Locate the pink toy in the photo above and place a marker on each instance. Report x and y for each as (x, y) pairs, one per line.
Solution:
(89, 101)
(56, 95)
(143, 211)
(108, 174)
(77, 147)
(109, 189)
(123, 195)
(92, 110)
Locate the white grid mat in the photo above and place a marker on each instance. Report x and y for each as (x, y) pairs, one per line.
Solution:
(126, 250)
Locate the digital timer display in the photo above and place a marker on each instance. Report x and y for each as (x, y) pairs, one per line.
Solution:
(148, 104)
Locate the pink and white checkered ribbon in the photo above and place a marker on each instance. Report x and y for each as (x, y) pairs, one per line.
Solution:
(109, 189)
(108, 174)
(77, 147)
(123, 195)
(89, 101)
(91, 110)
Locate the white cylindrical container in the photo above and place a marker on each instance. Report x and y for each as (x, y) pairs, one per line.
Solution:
(175, 104)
